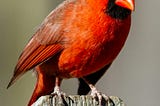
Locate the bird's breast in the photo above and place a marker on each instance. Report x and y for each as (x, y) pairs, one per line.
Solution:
(92, 47)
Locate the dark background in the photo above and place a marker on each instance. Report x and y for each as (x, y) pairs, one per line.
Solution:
(134, 75)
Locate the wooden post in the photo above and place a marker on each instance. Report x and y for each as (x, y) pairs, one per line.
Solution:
(76, 100)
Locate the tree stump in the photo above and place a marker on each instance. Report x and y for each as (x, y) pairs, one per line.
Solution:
(76, 100)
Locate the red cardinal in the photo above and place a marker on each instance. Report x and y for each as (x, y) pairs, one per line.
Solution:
(78, 39)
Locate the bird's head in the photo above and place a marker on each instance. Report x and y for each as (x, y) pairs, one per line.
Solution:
(128, 4)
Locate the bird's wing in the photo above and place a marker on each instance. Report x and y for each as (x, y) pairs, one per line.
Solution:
(45, 43)
(84, 88)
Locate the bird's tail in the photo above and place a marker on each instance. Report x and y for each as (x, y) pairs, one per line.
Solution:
(44, 86)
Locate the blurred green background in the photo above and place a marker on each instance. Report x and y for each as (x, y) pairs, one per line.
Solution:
(134, 76)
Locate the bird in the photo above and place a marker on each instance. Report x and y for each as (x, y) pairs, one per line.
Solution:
(78, 39)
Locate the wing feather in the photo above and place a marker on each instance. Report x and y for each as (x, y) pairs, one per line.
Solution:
(31, 57)
(46, 42)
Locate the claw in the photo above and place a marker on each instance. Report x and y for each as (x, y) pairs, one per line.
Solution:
(96, 94)
(58, 92)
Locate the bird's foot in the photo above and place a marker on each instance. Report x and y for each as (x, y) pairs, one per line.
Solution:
(59, 93)
(98, 95)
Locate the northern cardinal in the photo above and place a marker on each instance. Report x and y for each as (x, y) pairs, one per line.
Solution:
(78, 39)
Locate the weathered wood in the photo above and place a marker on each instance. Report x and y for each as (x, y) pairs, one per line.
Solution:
(76, 100)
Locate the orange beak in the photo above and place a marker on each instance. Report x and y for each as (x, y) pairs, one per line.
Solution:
(129, 4)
